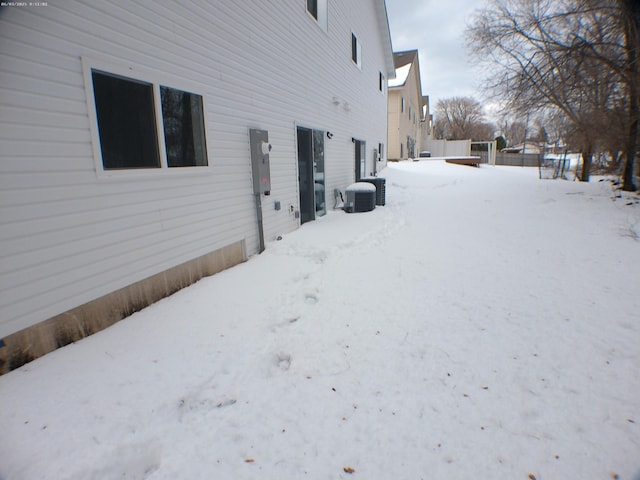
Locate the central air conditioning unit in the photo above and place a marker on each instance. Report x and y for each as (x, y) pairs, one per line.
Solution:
(361, 197)
(380, 184)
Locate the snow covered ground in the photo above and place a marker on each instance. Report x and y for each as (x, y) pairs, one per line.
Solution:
(483, 324)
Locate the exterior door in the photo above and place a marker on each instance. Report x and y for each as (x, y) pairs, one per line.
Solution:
(318, 173)
(311, 174)
(305, 175)
(360, 159)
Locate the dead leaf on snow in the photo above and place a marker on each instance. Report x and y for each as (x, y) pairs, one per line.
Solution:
(349, 469)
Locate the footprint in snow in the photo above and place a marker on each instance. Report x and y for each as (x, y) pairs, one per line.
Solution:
(283, 361)
(311, 299)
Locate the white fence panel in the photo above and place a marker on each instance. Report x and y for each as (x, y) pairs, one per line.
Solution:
(448, 148)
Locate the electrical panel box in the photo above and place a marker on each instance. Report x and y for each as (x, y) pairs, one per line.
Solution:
(260, 148)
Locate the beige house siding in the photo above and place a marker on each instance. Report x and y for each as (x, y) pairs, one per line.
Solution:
(427, 123)
(405, 109)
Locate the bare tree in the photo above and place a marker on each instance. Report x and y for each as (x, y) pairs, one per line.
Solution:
(539, 132)
(459, 118)
(513, 131)
(631, 70)
(573, 57)
(439, 127)
(483, 131)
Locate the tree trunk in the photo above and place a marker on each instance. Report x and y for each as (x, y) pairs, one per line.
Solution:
(587, 157)
(632, 39)
(628, 184)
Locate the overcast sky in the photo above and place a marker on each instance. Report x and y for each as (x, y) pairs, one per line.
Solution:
(435, 28)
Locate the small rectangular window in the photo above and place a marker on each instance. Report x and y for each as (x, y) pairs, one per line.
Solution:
(354, 48)
(401, 104)
(318, 9)
(381, 82)
(356, 51)
(312, 8)
(183, 119)
(126, 122)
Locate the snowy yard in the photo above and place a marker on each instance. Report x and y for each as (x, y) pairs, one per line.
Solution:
(483, 324)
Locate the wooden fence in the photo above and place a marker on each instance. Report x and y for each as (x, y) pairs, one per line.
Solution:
(519, 159)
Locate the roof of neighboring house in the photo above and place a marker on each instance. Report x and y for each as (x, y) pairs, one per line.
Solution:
(402, 73)
(425, 107)
(403, 58)
(402, 62)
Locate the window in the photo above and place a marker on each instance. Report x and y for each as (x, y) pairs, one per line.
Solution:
(126, 113)
(401, 104)
(318, 10)
(381, 82)
(360, 158)
(312, 8)
(318, 172)
(126, 122)
(356, 51)
(311, 178)
(380, 151)
(411, 145)
(183, 120)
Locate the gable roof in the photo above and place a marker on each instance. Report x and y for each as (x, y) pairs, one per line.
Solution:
(403, 58)
(402, 62)
(402, 73)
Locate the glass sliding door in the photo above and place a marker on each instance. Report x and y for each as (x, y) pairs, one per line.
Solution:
(311, 181)
(359, 153)
(305, 175)
(318, 172)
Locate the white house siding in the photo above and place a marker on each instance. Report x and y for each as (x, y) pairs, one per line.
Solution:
(69, 233)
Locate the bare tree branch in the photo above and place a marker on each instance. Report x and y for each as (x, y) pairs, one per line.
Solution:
(577, 58)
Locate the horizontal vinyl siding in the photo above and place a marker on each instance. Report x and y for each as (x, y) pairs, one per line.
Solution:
(70, 235)
(412, 102)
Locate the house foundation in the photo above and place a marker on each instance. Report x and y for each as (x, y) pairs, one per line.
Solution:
(37, 340)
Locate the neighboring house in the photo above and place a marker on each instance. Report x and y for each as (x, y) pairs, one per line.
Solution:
(427, 122)
(405, 113)
(524, 148)
(125, 147)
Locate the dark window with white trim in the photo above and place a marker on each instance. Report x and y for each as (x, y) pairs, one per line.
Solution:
(312, 8)
(318, 10)
(126, 122)
(381, 82)
(183, 121)
(356, 51)
(129, 137)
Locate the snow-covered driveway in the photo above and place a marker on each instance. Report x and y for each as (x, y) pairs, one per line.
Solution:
(483, 324)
